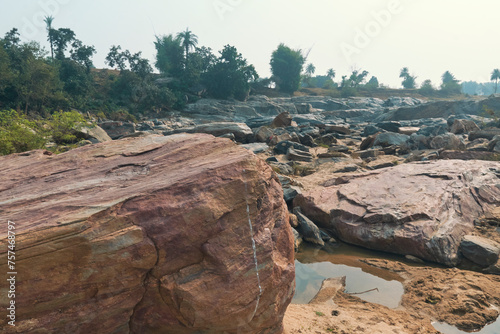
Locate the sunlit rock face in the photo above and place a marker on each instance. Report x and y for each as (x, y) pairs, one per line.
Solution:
(422, 209)
(178, 234)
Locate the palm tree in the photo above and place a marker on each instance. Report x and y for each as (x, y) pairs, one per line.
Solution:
(48, 21)
(448, 77)
(189, 40)
(310, 69)
(331, 73)
(408, 80)
(495, 75)
(404, 73)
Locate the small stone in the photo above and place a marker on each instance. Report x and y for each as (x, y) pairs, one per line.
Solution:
(347, 169)
(339, 148)
(294, 221)
(310, 232)
(297, 155)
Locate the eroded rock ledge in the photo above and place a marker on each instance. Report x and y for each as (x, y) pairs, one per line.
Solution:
(422, 209)
(147, 235)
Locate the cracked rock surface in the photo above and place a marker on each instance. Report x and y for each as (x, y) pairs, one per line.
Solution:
(147, 235)
(422, 209)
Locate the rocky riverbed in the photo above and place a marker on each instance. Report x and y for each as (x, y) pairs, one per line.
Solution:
(161, 225)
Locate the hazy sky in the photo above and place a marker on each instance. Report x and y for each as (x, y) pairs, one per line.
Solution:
(380, 36)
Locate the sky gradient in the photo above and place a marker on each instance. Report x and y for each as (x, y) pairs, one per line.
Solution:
(380, 36)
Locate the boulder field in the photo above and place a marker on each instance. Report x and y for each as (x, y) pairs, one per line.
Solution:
(147, 235)
(423, 209)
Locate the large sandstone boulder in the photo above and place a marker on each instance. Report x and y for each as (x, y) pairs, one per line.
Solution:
(118, 129)
(421, 209)
(447, 141)
(95, 134)
(460, 126)
(179, 234)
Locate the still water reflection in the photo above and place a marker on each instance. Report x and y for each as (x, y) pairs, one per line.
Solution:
(312, 266)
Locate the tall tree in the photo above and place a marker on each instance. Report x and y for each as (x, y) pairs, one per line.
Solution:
(138, 65)
(286, 66)
(169, 55)
(62, 38)
(200, 61)
(404, 72)
(117, 58)
(310, 69)
(495, 75)
(450, 84)
(373, 82)
(48, 21)
(11, 39)
(448, 77)
(189, 40)
(230, 75)
(409, 81)
(82, 54)
(330, 73)
(357, 78)
(426, 88)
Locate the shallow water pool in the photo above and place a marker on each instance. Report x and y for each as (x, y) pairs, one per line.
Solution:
(312, 266)
(444, 328)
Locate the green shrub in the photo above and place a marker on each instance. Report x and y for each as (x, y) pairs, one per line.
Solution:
(18, 134)
(121, 115)
(348, 91)
(62, 124)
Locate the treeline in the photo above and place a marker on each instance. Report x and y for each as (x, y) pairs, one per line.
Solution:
(358, 83)
(38, 82)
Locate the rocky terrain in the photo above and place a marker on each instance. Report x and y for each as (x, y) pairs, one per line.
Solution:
(401, 175)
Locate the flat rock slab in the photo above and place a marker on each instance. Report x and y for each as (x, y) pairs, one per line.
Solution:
(421, 209)
(147, 235)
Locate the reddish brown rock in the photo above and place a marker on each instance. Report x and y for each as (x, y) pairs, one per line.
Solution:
(282, 120)
(463, 126)
(118, 129)
(419, 209)
(147, 235)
